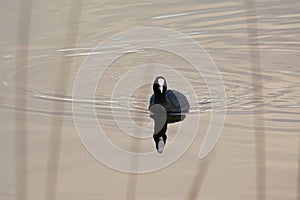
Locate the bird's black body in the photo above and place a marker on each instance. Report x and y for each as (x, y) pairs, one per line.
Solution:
(172, 100)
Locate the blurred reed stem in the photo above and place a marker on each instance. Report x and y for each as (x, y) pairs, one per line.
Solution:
(61, 85)
(22, 48)
(255, 59)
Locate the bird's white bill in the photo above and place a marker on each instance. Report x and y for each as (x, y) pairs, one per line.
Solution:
(161, 89)
(161, 145)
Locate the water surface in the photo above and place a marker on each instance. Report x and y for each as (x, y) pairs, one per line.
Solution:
(222, 28)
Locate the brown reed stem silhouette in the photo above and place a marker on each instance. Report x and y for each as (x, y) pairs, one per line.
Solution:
(23, 31)
(199, 179)
(254, 53)
(132, 178)
(61, 85)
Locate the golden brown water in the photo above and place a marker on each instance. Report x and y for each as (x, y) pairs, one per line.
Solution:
(257, 156)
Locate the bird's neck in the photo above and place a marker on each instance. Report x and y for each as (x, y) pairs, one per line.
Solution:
(159, 98)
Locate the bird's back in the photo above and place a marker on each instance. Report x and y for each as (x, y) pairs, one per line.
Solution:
(176, 102)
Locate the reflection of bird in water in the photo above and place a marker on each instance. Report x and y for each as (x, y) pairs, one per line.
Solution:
(166, 106)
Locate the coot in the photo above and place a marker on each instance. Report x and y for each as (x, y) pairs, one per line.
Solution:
(166, 106)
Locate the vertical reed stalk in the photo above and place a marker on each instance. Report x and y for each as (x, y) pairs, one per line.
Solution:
(199, 179)
(61, 85)
(254, 53)
(20, 101)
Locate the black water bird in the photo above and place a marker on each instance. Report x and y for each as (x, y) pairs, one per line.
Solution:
(166, 106)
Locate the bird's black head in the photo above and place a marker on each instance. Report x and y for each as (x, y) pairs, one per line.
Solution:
(160, 85)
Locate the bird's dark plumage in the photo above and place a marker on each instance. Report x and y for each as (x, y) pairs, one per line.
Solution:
(172, 100)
